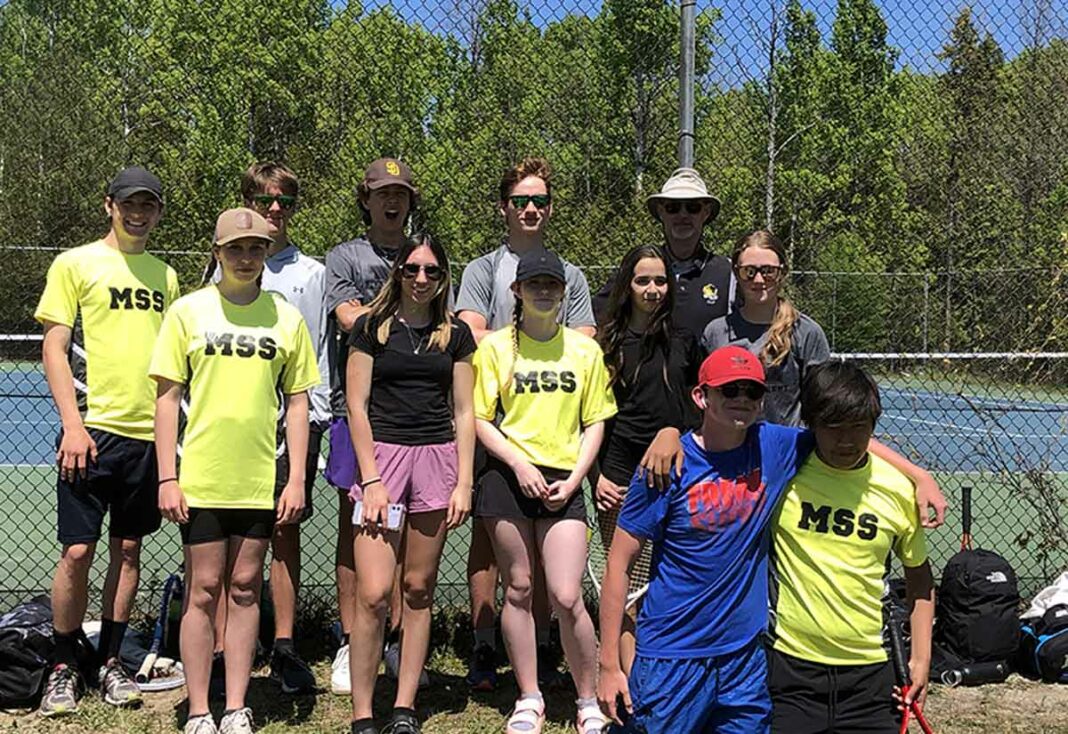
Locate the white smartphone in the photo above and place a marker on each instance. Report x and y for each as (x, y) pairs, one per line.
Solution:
(394, 515)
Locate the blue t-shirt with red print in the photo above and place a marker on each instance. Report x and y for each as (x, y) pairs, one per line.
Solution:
(708, 592)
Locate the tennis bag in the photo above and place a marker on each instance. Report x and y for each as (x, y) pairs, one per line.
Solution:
(25, 650)
(978, 603)
(1044, 646)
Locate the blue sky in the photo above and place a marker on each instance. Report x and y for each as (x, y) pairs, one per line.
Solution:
(918, 28)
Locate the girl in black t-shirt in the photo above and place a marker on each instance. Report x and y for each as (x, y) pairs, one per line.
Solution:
(652, 366)
(409, 381)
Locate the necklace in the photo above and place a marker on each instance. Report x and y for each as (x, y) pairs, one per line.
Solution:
(416, 344)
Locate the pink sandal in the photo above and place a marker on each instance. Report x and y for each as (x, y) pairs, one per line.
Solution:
(527, 717)
(590, 719)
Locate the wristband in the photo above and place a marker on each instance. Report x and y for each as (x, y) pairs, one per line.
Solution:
(369, 482)
(168, 479)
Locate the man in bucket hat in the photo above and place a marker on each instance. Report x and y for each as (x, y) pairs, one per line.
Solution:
(704, 280)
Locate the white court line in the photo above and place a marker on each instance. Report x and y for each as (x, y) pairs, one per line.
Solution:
(969, 400)
(969, 429)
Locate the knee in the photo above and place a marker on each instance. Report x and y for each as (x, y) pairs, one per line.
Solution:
(205, 592)
(127, 552)
(78, 556)
(245, 590)
(373, 598)
(418, 591)
(568, 603)
(519, 590)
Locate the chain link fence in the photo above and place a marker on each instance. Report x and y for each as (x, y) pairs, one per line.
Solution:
(914, 157)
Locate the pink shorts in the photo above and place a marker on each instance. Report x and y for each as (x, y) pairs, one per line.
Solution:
(419, 477)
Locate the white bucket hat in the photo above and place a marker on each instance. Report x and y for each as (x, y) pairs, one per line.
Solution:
(685, 184)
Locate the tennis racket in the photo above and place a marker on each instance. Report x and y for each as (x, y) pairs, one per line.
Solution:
(899, 660)
(172, 588)
(599, 531)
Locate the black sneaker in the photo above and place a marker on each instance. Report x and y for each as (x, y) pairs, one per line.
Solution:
(217, 684)
(403, 722)
(549, 675)
(482, 673)
(291, 673)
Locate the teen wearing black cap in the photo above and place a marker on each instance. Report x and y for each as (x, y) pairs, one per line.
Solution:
(106, 458)
(530, 494)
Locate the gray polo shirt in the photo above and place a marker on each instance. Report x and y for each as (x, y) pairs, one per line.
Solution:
(486, 288)
(808, 347)
(301, 280)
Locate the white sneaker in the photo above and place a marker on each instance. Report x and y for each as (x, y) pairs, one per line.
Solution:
(237, 722)
(340, 683)
(200, 725)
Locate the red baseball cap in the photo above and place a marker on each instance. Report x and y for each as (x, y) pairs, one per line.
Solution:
(730, 364)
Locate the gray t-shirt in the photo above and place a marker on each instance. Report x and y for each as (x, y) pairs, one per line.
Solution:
(808, 347)
(354, 270)
(486, 289)
(301, 281)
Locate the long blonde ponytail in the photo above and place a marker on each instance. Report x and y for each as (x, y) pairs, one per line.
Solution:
(781, 331)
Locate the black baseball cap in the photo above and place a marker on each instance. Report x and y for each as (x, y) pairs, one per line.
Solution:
(133, 180)
(539, 262)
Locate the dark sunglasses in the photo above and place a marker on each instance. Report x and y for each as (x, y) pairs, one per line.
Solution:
(284, 200)
(643, 280)
(770, 273)
(692, 207)
(411, 270)
(520, 201)
(752, 390)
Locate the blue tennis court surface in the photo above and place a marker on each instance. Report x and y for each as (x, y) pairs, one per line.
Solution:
(945, 431)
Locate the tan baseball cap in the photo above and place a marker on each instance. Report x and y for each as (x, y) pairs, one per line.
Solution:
(233, 224)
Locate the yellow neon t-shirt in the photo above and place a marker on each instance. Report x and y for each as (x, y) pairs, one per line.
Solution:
(121, 299)
(832, 537)
(234, 360)
(548, 393)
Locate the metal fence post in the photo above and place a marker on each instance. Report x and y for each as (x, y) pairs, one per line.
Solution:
(686, 82)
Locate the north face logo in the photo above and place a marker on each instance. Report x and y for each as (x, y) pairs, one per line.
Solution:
(998, 577)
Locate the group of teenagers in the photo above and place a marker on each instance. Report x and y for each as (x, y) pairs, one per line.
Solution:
(678, 392)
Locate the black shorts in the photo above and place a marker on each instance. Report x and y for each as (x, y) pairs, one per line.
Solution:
(808, 697)
(122, 481)
(311, 469)
(499, 495)
(209, 524)
(620, 458)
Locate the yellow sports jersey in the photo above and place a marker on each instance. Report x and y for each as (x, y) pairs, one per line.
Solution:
(547, 393)
(234, 359)
(832, 536)
(121, 299)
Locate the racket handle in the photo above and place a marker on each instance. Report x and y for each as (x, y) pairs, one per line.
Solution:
(966, 510)
(898, 657)
(144, 673)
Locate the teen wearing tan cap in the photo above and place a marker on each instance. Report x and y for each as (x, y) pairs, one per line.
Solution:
(355, 271)
(235, 346)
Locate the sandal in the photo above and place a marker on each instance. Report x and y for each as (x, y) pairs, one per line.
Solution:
(590, 719)
(527, 717)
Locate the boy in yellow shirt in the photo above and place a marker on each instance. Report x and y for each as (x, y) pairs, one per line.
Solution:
(843, 514)
(107, 461)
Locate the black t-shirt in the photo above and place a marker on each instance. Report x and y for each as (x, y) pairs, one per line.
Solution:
(646, 403)
(411, 383)
(702, 292)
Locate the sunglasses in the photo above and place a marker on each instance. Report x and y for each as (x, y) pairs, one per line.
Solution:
(411, 270)
(770, 273)
(285, 201)
(520, 201)
(643, 280)
(692, 207)
(752, 390)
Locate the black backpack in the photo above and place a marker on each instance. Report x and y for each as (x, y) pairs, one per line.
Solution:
(1044, 646)
(978, 603)
(26, 648)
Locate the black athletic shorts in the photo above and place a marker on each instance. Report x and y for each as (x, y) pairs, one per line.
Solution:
(499, 495)
(620, 458)
(122, 481)
(311, 469)
(209, 524)
(808, 697)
